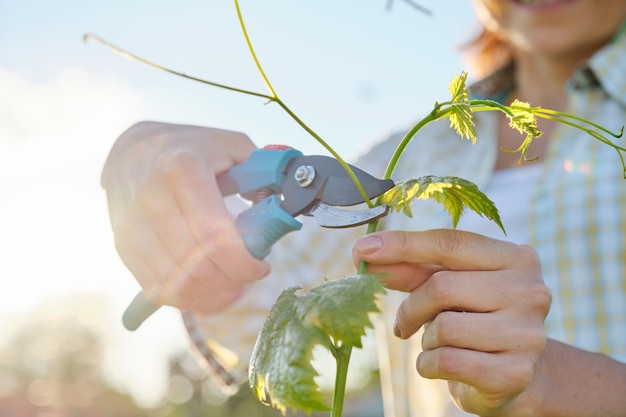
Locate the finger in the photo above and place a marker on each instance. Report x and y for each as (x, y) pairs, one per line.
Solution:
(482, 332)
(126, 246)
(451, 249)
(479, 292)
(490, 379)
(519, 293)
(237, 147)
(214, 230)
(145, 255)
(411, 257)
(190, 216)
(157, 211)
(404, 276)
(399, 276)
(165, 139)
(184, 283)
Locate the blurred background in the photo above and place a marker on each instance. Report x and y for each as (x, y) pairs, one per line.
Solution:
(354, 70)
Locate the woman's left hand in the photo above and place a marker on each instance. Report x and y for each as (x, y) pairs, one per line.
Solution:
(482, 303)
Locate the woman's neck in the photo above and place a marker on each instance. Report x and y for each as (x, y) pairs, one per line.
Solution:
(541, 76)
(541, 80)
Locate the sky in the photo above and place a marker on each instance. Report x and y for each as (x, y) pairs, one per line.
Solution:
(353, 70)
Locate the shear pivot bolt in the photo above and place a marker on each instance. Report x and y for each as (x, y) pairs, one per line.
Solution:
(304, 175)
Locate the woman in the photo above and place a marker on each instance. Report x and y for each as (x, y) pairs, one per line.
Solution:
(481, 304)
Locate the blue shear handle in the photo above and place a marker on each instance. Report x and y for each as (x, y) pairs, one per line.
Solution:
(264, 224)
(260, 227)
(138, 311)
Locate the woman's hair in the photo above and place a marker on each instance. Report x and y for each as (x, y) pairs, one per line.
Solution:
(486, 53)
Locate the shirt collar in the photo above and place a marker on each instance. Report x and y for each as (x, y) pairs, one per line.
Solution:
(608, 66)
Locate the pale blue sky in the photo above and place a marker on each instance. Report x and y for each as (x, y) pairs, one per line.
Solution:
(351, 69)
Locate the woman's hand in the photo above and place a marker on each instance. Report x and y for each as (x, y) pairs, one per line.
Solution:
(482, 303)
(172, 229)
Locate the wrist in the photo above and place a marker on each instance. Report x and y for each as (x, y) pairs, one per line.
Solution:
(571, 382)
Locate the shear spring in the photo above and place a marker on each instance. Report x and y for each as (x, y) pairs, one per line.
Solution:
(227, 381)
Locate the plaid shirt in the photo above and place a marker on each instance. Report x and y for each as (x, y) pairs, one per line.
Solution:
(577, 223)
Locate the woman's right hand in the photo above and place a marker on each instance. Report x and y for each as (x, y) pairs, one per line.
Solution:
(172, 229)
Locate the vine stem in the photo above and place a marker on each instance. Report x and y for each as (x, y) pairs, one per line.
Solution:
(393, 162)
(342, 357)
(126, 54)
(274, 97)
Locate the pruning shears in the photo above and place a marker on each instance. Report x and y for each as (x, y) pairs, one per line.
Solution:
(283, 183)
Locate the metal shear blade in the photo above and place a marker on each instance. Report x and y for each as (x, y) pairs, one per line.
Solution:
(330, 216)
(316, 185)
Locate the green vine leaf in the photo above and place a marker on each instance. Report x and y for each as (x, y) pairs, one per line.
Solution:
(333, 314)
(454, 193)
(524, 121)
(523, 118)
(280, 372)
(461, 116)
(341, 308)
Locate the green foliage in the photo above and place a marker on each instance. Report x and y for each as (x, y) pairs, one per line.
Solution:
(280, 373)
(341, 308)
(461, 116)
(523, 118)
(332, 314)
(454, 193)
(524, 121)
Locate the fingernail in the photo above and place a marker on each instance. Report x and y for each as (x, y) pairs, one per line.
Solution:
(369, 244)
(396, 329)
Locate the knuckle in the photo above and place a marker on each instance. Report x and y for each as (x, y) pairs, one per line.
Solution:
(438, 332)
(447, 240)
(173, 166)
(238, 144)
(520, 373)
(140, 129)
(427, 364)
(539, 298)
(442, 362)
(533, 290)
(441, 285)
(528, 257)
(404, 245)
(238, 137)
(445, 328)
(120, 241)
(536, 340)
